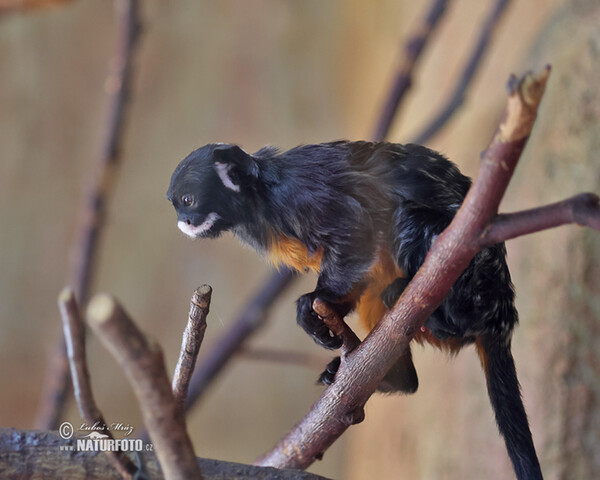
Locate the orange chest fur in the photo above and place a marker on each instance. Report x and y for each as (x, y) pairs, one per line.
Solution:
(367, 297)
(294, 254)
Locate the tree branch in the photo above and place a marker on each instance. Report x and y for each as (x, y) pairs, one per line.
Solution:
(74, 332)
(582, 209)
(358, 377)
(403, 79)
(35, 454)
(190, 344)
(93, 211)
(142, 361)
(458, 95)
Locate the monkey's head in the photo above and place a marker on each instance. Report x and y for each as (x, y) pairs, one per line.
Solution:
(208, 187)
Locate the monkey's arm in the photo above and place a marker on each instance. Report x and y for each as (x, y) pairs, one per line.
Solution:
(340, 283)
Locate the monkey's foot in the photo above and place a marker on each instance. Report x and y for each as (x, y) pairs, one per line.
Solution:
(401, 378)
(328, 375)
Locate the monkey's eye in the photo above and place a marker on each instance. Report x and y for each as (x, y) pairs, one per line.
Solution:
(187, 200)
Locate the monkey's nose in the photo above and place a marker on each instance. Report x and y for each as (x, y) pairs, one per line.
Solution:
(188, 221)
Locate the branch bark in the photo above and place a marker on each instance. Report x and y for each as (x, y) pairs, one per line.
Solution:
(29, 454)
(358, 377)
(74, 331)
(142, 361)
(190, 344)
(93, 211)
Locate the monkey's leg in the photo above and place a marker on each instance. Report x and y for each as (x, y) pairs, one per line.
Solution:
(438, 323)
(401, 378)
(505, 396)
(340, 283)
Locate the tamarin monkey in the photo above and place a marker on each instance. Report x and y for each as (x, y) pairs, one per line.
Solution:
(363, 216)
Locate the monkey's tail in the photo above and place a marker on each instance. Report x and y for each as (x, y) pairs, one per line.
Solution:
(505, 396)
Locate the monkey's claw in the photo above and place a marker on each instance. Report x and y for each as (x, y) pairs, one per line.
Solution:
(328, 375)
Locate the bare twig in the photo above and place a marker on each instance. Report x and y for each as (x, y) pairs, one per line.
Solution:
(450, 254)
(142, 361)
(403, 79)
(14, 6)
(93, 211)
(273, 355)
(36, 454)
(74, 331)
(253, 316)
(458, 95)
(190, 344)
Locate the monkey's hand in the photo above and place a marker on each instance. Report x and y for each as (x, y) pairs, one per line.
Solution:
(313, 324)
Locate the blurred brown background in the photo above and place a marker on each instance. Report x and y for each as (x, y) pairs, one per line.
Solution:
(284, 73)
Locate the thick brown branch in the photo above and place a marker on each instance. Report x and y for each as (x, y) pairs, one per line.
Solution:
(582, 209)
(450, 254)
(35, 454)
(403, 80)
(142, 361)
(190, 344)
(457, 98)
(93, 210)
(74, 331)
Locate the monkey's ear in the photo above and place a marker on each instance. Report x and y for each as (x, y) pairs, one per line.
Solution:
(234, 166)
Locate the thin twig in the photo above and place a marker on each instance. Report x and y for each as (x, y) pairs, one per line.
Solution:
(93, 210)
(253, 316)
(359, 376)
(302, 359)
(458, 95)
(337, 325)
(410, 55)
(190, 344)
(19, 6)
(141, 359)
(74, 331)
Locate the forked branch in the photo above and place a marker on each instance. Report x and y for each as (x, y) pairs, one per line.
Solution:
(142, 361)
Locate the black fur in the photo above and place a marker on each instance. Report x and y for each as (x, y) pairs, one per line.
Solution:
(348, 199)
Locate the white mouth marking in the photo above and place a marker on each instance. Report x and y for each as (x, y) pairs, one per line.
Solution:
(198, 231)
